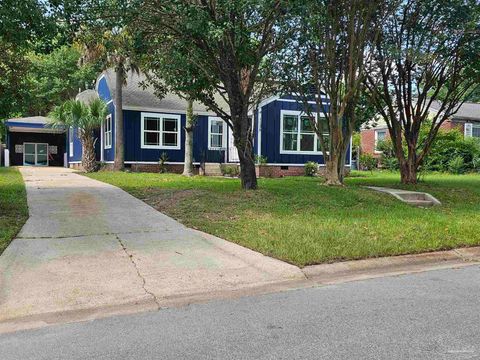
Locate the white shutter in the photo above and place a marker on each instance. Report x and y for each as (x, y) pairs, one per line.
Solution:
(468, 132)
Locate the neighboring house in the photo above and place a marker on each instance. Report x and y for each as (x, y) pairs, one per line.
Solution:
(153, 126)
(466, 120)
(30, 141)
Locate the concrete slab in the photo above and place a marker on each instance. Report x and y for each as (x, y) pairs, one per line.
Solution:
(89, 246)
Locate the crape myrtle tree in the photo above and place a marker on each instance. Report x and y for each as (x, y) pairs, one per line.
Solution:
(167, 69)
(428, 52)
(227, 42)
(325, 64)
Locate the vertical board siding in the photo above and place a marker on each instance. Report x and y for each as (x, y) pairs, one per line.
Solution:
(270, 143)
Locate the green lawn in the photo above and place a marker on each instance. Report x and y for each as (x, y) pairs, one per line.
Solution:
(301, 221)
(13, 205)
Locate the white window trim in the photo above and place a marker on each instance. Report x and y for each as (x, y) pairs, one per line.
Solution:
(224, 134)
(376, 140)
(71, 135)
(108, 139)
(160, 116)
(298, 114)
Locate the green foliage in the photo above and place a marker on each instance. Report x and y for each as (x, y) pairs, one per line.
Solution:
(260, 160)
(311, 168)
(74, 113)
(368, 162)
(56, 77)
(162, 162)
(456, 165)
(447, 146)
(230, 170)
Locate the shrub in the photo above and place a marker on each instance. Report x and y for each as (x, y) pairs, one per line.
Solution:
(456, 165)
(446, 147)
(311, 168)
(260, 160)
(368, 162)
(229, 170)
(162, 162)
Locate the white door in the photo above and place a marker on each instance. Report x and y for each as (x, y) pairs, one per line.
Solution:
(35, 154)
(232, 150)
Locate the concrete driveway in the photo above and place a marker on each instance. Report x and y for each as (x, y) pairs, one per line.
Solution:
(90, 248)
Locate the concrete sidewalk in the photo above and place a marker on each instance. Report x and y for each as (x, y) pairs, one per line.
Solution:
(90, 247)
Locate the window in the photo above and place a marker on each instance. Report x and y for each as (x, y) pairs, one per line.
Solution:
(297, 134)
(472, 130)
(160, 131)
(476, 131)
(380, 135)
(217, 134)
(108, 132)
(70, 141)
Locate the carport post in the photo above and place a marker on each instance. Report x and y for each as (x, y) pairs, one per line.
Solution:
(7, 158)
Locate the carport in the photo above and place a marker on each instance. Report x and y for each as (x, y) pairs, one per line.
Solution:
(31, 141)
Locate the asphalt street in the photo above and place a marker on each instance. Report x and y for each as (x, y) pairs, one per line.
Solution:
(432, 315)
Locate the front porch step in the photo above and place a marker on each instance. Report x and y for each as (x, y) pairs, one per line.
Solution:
(213, 169)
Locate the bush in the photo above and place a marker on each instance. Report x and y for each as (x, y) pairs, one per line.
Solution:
(230, 170)
(368, 162)
(456, 165)
(162, 162)
(311, 168)
(261, 160)
(447, 146)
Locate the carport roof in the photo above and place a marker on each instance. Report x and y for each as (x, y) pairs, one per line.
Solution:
(32, 124)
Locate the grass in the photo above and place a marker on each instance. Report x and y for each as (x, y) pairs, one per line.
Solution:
(13, 205)
(299, 220)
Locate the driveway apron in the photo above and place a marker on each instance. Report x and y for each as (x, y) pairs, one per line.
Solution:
(90, 245)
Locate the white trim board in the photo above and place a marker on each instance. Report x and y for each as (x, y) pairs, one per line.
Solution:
(224, 133)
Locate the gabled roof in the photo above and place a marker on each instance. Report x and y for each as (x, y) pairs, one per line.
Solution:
(87, 96)
(138, 94)
(468, 111)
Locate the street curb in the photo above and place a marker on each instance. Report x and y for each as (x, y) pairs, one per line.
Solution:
(392, 265)
(314, 276)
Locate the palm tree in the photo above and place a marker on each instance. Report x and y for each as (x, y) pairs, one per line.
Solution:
(86, 118)
(112, 49)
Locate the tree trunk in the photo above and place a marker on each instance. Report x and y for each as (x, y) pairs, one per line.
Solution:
(89, 163)
(242, 133)
(408, 166)
(408, 173)
(188, 162)
(119, 160)
(248, 175)
(335, 168)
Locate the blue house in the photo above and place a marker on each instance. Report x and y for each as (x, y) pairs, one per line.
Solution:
(154, 126)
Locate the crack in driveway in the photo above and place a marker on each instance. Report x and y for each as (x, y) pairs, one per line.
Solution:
(144, 282)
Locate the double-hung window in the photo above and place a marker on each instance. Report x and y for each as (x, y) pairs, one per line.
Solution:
(297, 135)
(108, 132)
(160, 131)
(217, 134)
